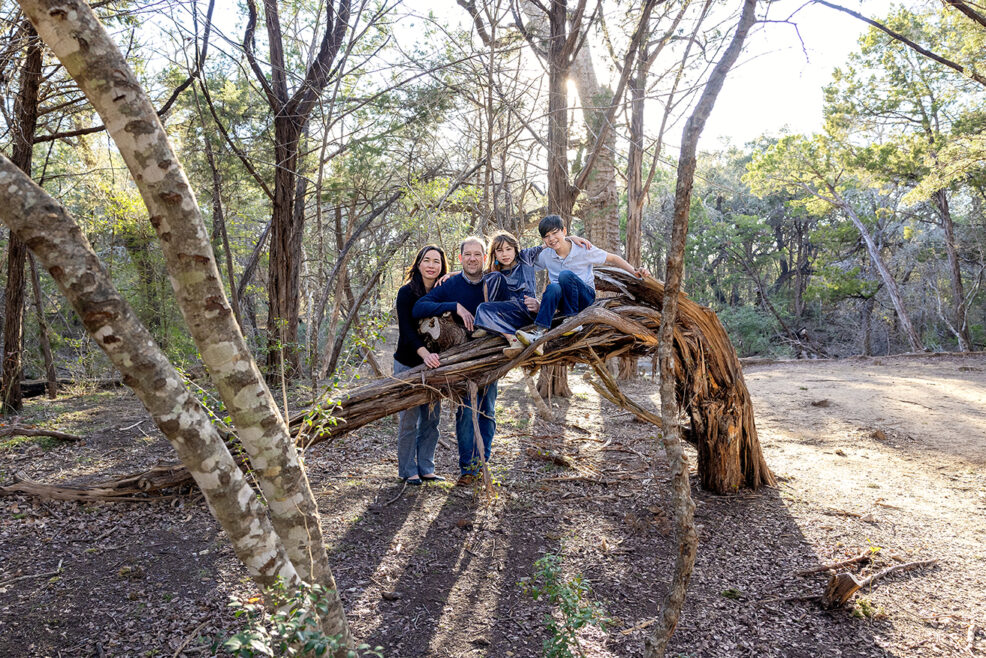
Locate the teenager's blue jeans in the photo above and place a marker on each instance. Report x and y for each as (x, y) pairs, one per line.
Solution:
(417, 436)
(465, 435)
(570, 295)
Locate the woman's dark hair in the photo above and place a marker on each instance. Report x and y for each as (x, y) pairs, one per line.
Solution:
(413, 274)
(500, 238)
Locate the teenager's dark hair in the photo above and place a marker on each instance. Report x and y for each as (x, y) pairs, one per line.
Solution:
(413, 274)
(500, 238)
(549, 224)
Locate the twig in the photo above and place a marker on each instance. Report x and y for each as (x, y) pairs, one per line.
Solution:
(130, 427)
(397, 497)
(638, 627)
(49, 574)
(862, 557)
(478, 437)
(900, 567)
(190, 637)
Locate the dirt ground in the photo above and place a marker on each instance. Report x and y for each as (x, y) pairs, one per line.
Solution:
(883, 455)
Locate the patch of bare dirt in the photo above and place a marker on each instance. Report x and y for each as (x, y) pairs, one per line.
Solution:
(891, 461)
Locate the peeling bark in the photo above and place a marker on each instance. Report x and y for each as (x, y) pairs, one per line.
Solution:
(62, 248)
(75, 35)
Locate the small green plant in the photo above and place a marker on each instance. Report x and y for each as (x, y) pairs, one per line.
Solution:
(576, 610)
(293, 629)
(863, 608)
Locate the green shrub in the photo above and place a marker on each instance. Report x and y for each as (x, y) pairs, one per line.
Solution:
(571, 596)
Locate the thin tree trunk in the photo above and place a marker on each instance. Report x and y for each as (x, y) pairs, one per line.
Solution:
(219, 219)
(22, 132)
(866, 313)
(600, 199)
(75, 35)
(43, 331)
(881, 268)
(955, 270)
(684, 509)
(332, 358)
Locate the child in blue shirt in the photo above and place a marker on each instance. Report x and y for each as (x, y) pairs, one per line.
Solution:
(510, 279)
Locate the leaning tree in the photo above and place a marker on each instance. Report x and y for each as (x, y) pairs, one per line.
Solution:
(279, 541)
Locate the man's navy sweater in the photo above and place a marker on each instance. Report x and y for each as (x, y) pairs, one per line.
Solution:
(442, 299)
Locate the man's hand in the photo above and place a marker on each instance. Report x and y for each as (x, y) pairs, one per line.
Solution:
(532, 304)
(467, 318)
(582, 242)
(431, 360)
(442, 279)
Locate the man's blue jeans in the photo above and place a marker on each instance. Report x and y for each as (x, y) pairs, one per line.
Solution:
(570, 295)
(465, 435)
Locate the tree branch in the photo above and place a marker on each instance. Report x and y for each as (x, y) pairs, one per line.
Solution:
(897, 36)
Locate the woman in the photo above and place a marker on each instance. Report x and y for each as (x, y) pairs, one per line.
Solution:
(510, 279)
(417, 433)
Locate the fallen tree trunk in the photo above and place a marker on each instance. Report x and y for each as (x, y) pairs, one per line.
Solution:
(708, 377)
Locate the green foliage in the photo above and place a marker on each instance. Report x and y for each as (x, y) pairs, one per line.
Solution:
(571, 595)
(291, 630)
(750, 329)
(834, 284)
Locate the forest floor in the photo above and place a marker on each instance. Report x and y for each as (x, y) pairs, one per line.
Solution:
(886, 455)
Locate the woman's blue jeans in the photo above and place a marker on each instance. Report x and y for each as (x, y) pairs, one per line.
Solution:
(417, 436)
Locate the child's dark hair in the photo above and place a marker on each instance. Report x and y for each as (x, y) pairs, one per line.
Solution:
(500, 238)
(549, 224)
(413, 274)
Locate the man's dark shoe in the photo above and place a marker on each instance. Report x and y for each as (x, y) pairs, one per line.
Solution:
(465, 480)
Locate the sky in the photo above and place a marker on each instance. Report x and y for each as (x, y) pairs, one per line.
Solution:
(775, 84)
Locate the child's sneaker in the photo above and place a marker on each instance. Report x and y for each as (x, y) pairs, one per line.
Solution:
(573, 331)
(530, 337)
(513, 348)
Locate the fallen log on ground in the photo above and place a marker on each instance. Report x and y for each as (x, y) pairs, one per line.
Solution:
(129, 488)
(17, 430)
(708, 377)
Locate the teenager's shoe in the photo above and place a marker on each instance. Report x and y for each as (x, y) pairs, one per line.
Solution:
(573, 331)
(530, 337)
(478, 333)
(414, 482)
(432, 478)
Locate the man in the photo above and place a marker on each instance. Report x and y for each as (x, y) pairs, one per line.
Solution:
(572, 285)
(461, 294)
